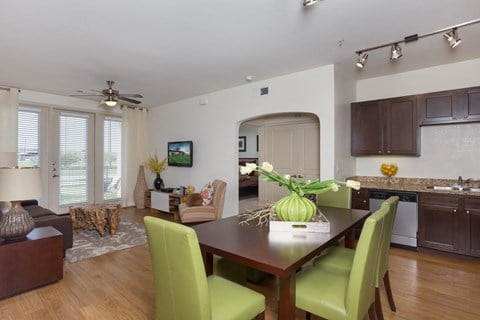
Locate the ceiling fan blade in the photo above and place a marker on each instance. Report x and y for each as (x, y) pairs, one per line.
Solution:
(128, 100)
(85, 95)
(131, 95)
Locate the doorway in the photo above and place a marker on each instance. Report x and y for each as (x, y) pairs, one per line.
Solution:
(291, 143)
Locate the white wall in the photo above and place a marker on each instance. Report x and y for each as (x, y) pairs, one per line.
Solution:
(344, 95)
(213, 128)
(447, 150)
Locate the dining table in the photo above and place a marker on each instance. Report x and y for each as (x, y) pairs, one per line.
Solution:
(276, 252)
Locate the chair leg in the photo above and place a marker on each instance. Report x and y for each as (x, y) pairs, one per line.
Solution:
(371, 312)
(378, 304)
(260, 316)
(388, 289)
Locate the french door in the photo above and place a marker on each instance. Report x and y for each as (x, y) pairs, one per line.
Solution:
(71, 159)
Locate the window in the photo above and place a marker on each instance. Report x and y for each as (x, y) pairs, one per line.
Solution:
(112, 158)
(28, 138)
(73, 160)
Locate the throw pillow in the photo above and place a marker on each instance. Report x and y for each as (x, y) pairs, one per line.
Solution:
(207, 194)
(194, 199)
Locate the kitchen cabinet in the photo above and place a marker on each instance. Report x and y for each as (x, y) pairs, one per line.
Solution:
(360, 199)
(451, 106)
(472, 210)
(385, 127)
(449, 223)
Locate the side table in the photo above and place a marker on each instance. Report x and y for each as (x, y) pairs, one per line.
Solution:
(32, 262)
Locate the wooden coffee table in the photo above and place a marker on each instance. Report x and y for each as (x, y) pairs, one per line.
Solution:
(96, 216)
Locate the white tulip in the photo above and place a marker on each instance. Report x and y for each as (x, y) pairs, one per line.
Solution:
(353, 184)
(334, 187)
(267, 167)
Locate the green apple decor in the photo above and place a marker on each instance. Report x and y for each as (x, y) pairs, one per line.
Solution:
(295, 207)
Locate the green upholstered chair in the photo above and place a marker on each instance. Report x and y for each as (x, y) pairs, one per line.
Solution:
(339, 199)
(182, 289)
(345, 296)
(340, 259)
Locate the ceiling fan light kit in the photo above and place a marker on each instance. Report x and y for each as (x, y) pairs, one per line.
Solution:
(396, 52)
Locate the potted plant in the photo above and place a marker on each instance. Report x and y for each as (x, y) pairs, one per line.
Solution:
(157, 166)
(295, 207)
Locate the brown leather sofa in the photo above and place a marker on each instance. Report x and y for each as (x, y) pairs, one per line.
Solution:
(44, 217)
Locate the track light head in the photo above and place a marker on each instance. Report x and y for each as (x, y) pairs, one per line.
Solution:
(308, 3)
(362, 60)
(453, 38)
(396, 52)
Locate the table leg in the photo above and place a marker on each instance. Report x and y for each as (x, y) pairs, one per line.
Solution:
(208, 263)
(114, 219)
(100, 220)
(286, 297)
(350, 239)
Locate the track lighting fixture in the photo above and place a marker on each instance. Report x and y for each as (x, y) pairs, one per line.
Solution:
(453, 38)
(362, 60)
(308, 3)
(396, 52)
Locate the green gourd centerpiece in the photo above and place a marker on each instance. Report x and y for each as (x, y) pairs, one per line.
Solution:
(296, 207)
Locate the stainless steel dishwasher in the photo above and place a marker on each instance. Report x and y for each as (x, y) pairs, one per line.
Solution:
(406, 221)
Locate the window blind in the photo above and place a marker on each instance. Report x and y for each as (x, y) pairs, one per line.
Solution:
(112, 158)
(28, 144)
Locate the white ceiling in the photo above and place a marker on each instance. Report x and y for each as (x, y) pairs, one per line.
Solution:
(170, 50)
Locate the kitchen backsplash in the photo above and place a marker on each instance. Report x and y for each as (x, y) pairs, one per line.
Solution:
(447, 151)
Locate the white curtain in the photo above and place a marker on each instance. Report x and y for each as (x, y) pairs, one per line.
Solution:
(8, 124)
(134, 149)
(8, 132)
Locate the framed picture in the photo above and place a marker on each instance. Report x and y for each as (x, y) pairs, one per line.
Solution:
(242, 143)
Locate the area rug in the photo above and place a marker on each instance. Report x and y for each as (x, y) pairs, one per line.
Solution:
(89, 243)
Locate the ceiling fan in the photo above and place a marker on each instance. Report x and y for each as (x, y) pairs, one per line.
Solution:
(111, 96)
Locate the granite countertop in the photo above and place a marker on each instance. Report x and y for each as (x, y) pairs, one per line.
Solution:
(414, 184)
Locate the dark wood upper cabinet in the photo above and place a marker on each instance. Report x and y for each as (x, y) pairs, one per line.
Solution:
(451, 106)
(387, 126)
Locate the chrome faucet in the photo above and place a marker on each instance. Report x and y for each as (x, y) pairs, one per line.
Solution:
(462, 182)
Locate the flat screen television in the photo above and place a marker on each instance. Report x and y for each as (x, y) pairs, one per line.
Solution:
(180, 153)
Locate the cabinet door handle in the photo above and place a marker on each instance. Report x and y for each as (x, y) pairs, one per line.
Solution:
(379, 151)
(454, 210)
(467, 212)
(388, 151)
(364, 201)
(465, 116)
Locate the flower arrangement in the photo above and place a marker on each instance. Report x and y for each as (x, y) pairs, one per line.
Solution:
(296, 207)
(299, 186)
(156, 165)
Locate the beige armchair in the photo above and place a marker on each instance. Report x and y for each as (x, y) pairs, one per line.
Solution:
(196, 214)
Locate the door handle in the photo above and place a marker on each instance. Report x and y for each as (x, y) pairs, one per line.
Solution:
(55, 176)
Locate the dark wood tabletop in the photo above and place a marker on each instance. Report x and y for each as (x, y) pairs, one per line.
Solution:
(278, 253)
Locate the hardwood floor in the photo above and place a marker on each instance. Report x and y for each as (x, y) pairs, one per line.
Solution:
(119, 286)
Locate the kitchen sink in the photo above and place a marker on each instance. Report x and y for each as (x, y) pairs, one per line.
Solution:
(454, 188)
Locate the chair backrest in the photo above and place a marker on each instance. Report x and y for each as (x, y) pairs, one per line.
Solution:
(391, 204)
(339, 199)
(181, 289)
(361, 285)
(219, 188)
